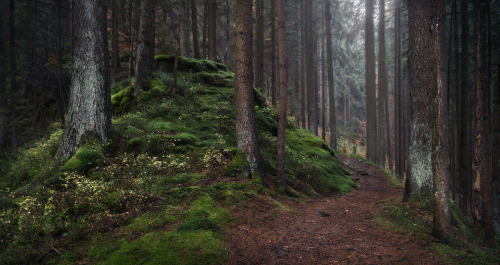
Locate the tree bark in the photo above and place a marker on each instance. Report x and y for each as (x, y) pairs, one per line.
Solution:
(303, 88)
(397, 91)
(204, 54)
(371, 111)
(13, 74)
(481, 173)
(282, 87)
(440, 155)
(3, 94)
(323, 82)
(419, 177)
(382, 88)
(184, 30)
(194, 25)
(114, 41)
(496, 150)
(145, 62)
(273, 53)
(131, 39)
(331, 91)
(259, 45)
(246, 132)
(309, 53)
(464, 178)
(89, 113)
(212, 30)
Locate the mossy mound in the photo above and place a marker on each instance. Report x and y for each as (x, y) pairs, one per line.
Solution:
(159, 189)
(166, 63)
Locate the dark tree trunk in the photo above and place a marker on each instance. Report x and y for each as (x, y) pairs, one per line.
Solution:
(397, 91)
(184, 30)
(212, 30)
(323, 82)
(331, 90)
(496, 150)
(273, 53)
(259, 45)
(194, 25)
(145, 62)
(303, 86)
(371, 111)
(282, 87)
(483, 191)
(309, 53)
(3, 94)
(382, 88)
(89, 113)
(440, 155)
(246, 132)
(204, 54)
(13, 73)
(383, 82)
(131, 39)
(464, 170)
(419, 177)
(114, 41)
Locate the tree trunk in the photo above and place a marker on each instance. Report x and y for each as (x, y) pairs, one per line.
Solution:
(323, 83)
(89, 113)
(114, 41)
(331, 91)
(371, 111)
(13, 73)
(419, 177)
(3, 94)
(184, 29)
(496, 150)
(383, 82)
(246, 132)
(259, 45)
(382, 88)
(397, 91)
(282, 81)
(303, 88)
(194, 25)
(131, 39)
(309, 50)
(273, 53)
(145, 62)
(212, 30)
(481, 173)
(204, 54)
(440, 155)
(464, 188)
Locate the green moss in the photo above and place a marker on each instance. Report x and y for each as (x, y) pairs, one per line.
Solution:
(185, 138)
(122, 100)
(84, 159)
(204, 214)
(237, 166)
(173, 247)
(166, 63)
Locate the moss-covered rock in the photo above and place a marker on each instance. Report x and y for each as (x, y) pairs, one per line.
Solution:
(85, 158)
(166, 63)
(121, 102)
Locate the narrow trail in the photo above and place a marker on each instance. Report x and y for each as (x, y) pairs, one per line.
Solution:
(334, 230)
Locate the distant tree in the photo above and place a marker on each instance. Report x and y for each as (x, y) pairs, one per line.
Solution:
(184, 36)
(274, 90)
(259, 45)
(89, 113)
(246, 132)
(194, 25)
(310, 84)
(371, 111)
(283, 96)
(212, 29)
(382, 89)
(331, 89)
(145, 63)
(115, 52)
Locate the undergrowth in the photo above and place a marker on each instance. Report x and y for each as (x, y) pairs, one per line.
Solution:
(414, 219)
(162, 188)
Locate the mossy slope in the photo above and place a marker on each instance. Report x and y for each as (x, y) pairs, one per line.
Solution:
(163, 186)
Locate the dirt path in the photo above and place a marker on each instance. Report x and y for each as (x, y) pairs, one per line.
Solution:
(335, 230)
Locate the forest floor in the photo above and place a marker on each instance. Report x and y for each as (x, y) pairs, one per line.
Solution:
(333, 230)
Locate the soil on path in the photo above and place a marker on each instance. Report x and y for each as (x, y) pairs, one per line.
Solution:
(333, 230)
